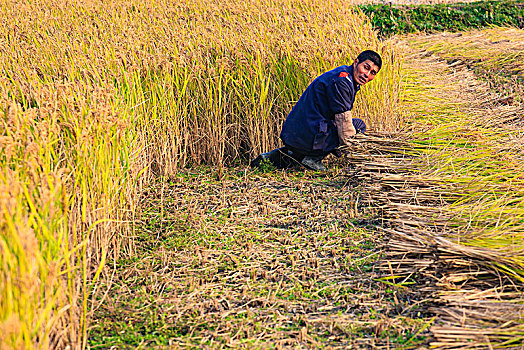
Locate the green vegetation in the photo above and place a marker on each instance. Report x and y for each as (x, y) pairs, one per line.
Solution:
(390, 20)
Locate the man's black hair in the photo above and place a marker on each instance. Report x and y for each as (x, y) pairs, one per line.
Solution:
(370, 55)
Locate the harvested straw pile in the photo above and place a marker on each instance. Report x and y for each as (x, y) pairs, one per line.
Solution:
(451, 196)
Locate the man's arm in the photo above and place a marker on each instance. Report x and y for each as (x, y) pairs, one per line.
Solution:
(345, 128)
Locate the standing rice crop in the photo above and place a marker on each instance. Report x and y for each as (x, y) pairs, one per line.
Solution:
(219, 86)
(94, 95)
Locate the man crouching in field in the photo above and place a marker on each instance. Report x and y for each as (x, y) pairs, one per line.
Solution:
(321, 123)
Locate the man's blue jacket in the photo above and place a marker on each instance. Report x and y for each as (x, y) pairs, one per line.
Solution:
(310, 126)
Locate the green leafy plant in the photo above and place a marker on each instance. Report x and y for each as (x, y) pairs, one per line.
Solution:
(390, 20)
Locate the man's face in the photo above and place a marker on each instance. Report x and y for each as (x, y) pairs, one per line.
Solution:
(364, 72)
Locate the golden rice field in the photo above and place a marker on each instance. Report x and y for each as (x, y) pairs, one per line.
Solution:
(98, 97)
(108, 107)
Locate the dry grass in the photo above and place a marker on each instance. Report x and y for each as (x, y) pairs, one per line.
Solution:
(495, 55)
(250, 260)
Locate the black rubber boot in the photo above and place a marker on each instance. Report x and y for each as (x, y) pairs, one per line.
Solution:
(290, 159)
(313, 163)
(275, 157)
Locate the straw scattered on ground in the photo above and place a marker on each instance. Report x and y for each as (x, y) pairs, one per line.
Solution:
(251, 260)
(451, 194)
(495, 55)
